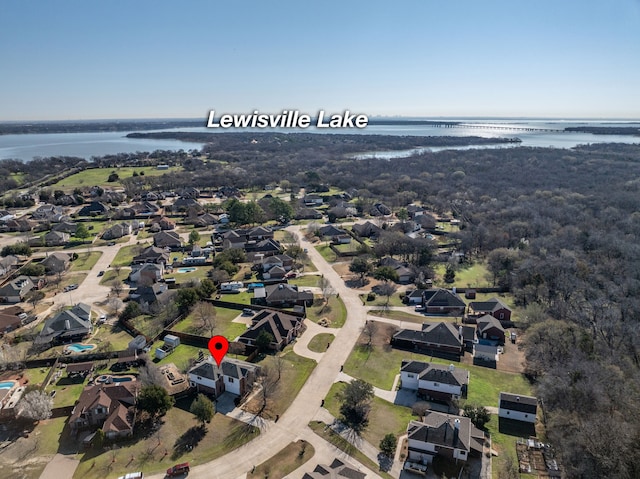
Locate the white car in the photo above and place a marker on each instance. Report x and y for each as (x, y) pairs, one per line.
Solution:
(102, 318)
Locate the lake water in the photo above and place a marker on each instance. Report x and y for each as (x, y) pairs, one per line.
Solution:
(86, 145)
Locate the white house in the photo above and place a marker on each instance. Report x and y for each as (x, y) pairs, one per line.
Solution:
(233, 375)
(518, 408)
(443, 434)
(434, 381)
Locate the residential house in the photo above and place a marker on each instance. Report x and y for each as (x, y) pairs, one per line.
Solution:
(9, 319)
(144, 209)
(380, 209)
(307, 214)
(313, 200)
(95, 208)
(152, 254)
(259, 233)
(65, 227)
(190, 192)
(366, 230)
(146, 273)
(329, 231)
(67, 325)
(277, 272)
(15, 290)
(282, 327)
(232, 239)
(146, 296)
(283, 261)
(117, 231)
(56, 262)
(20, 224)
(336, 470)
(206, 219)
(518, 407)
(282, 295)
(56, 238)
(184, 204)
(438, 434)
(233, 376)
(47, 213)
(436, 339)
(110, 407)
(443, 301)
(434, 381)
(265, 247)
(8, 264)
(489, 328)
(493, 307)
(405, 275)
(167, 239)
(161, 224)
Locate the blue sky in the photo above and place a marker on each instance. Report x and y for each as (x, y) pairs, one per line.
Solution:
(160, 59)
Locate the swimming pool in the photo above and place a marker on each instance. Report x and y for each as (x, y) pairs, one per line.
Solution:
(7, 384)
(107, 378)
(185, 270)
(80, 348)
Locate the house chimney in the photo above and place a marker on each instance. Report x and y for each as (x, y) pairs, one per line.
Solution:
(451, 367)
(456, 430)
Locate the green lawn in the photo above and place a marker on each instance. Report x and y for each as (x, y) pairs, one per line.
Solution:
(407, 316)
(334, 311)
(319, 342)
(224, 325)
(351, 247)
(394, 300)
(243, 297)
(180, 356)
(126, 253)
(36, 375)
(156, 453)
(99, 176)
(110, 275)
(308, 280)
(505, 445)
(327, 253)
(379, 365)
(285, 461)
(384, 417)
(112, 338)
(322, 430)
(85, 261)
(295, 372)
(474, 275)
(67, 391)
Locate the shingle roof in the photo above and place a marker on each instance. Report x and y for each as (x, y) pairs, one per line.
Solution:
(437, 428)
(273, 322)
(487, 322)
(442, 298)
(514, 402)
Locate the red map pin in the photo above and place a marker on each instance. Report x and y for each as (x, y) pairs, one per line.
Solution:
(218, 345)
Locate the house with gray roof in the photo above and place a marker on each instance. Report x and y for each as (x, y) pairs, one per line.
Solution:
(490, 329)
(56, 238)
(436, 339)
(443, 301)
(434, 381)
(336, 470)
(444, 435)
(493, 307)
(15, 290)
(67, 325)
(518, 407)
(282, 327)
(56, 262)
(233, 376)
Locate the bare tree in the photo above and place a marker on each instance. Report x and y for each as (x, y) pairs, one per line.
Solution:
(149, 374)
(116, 287)
(35, 405)
(115, 304)
(279, 365)
(268, 386)
(369, 331)
(205, 313)
(387, 290)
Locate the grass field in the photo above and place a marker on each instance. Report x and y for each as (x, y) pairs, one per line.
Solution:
(394, 300)
(466, 276)
(157, 452)
(319, 342)
(334, 311)
(99, 176)
(224, 325)
(85, 261)
(126, 253)
(285, 461)
(327, 253)
(110, 275)
(295, 372)
(308, 280)
(384, 417)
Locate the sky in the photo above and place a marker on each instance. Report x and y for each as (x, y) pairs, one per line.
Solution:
(72, 60)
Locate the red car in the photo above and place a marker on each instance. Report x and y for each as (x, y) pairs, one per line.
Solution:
(178, 469)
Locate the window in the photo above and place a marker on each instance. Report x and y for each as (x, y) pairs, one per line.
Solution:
(410, 376)
(508, 412)
(199, 378)
(435, 384)
(501, 316)
(230, 380)
(526, 415)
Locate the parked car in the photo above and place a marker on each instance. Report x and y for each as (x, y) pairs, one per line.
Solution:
(71, 287)
(101, 273)
(178, 469)
(248, 312)
(102, 319)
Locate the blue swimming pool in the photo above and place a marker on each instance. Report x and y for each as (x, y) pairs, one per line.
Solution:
(185, 270)
(7, 384)
(80, 348)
